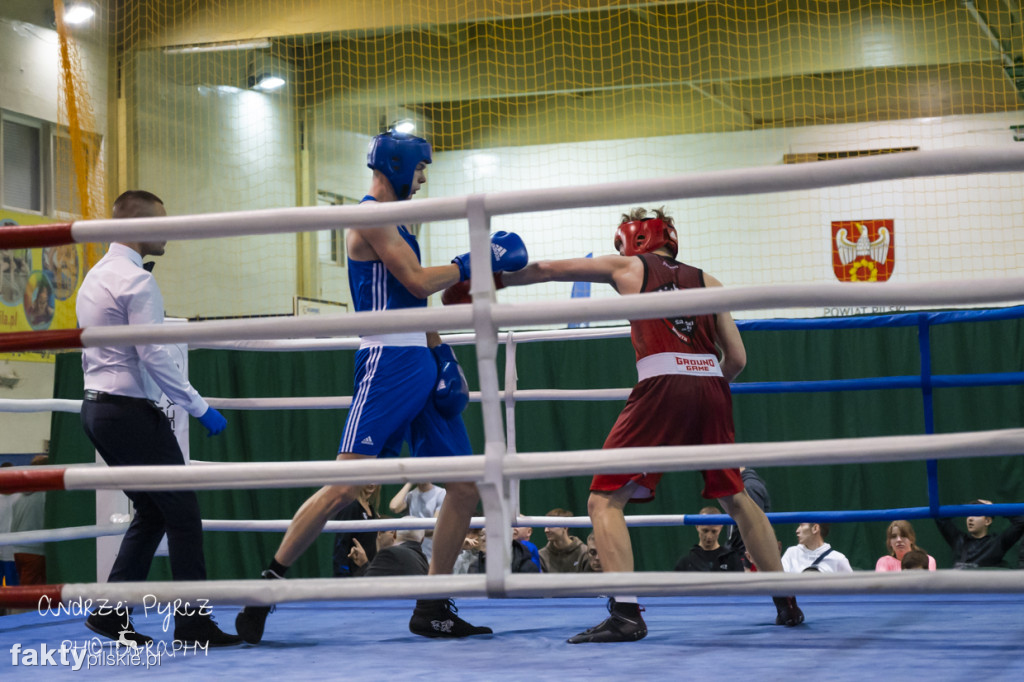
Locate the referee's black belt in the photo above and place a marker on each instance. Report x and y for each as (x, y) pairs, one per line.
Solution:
(101, 397)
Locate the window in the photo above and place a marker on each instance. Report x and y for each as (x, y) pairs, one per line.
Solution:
(331, 243)
(37, 171)
(808, 157)
(22, 164)
(67, 202)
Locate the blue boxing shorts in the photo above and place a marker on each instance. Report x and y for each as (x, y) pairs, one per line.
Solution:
(394, 401)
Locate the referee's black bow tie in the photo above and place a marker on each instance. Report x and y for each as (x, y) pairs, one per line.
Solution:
(149, 265)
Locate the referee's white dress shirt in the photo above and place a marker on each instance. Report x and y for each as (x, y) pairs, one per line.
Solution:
(117, 291)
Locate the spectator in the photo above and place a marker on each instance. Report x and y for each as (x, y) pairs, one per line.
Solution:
(423, 501)
(564, 553)
(523, 534)
(976, 548)
(594, 560)
(708, 555)
(8, 569)
(522, 559)
(473, 559)
(900, 539)
(28, 515)
(917, 559)
(812, 552)
(469, 558)
(758, 491)
(353, 551)
(399, 553)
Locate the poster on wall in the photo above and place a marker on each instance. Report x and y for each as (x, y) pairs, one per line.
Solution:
(38, 286)
(863, 251)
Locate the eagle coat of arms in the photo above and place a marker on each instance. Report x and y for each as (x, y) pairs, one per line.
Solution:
(863, 250)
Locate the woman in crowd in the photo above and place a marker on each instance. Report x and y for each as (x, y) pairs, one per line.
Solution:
(899, 539)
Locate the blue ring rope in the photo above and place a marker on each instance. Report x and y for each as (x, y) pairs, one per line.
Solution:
(925, 382)
(906, 513)
(870, 321)
(924, 346)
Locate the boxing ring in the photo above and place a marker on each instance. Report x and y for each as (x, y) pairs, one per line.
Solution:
(914, 623)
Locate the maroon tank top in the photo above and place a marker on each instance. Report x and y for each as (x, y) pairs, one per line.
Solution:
(683, 334)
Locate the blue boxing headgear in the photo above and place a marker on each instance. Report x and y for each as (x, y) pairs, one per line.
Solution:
(397, 155)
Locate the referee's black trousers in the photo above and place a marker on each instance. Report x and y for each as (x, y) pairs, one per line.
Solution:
(134, 432)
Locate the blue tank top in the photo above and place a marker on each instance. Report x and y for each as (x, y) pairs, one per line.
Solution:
(374, 288)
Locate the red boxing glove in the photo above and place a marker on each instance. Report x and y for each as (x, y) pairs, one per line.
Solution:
(459, 292)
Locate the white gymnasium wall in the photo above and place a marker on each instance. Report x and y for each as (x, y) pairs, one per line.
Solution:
(338, 160)
(25, 433)
(207, 148)
(955, 227)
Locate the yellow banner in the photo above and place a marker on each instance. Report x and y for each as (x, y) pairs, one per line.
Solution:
(38, 286)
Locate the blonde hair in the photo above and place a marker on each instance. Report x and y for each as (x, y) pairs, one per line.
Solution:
(640, 213)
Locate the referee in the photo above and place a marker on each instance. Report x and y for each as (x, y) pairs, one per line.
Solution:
(127, 428)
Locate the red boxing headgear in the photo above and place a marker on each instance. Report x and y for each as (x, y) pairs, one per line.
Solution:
(645, 236)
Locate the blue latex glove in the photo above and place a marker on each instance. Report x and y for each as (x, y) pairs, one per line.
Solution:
(508, 254)
(451, 394)
(214, 421)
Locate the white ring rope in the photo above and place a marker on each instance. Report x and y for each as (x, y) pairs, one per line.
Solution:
(637, 306)
(736, 182)
(40, 405)
(34, 537)
(647, 584)
(329, 402)
(412, 523)
(343, 343)
(549, 464)
(311, 403)
(343, 402)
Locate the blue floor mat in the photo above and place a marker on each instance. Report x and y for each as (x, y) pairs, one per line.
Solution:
(947, 637)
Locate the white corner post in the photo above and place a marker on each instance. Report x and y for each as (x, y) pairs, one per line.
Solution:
(494, 490)
(511, 383)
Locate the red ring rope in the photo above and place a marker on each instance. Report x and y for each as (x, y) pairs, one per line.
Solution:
(29, 596)
(29, 341)
(31, 480)
(29, 236)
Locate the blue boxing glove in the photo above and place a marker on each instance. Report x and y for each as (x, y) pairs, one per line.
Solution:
(213, 420)
(451, 395)
(508, 254)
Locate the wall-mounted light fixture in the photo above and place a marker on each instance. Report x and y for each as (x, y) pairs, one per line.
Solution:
(266, 82)
(405, 126)
(78, 13)
(229, 46)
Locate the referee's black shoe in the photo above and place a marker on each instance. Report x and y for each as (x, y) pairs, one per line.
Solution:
(624, 624)
(117, 627)
(203, 632)
(437, 618)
